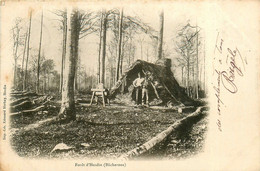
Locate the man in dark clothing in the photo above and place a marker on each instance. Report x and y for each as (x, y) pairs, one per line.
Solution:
(145, 90)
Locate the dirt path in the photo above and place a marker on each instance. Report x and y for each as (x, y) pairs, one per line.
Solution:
(32, 126)
(38, 124)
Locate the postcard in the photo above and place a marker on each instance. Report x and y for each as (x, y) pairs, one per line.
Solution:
(129, 85)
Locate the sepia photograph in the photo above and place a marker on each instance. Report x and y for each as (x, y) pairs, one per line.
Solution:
(115, 83)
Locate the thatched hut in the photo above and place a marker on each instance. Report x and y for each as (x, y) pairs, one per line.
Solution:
(164, 88)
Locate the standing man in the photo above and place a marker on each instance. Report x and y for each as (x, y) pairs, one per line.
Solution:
(138, 87)
(145, 90)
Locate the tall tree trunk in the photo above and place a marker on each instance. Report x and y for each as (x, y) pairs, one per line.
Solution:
(193, 81)
(141, 48)
(45, 84)
(204, 68)
(91, 76)
(48, 78)
(67, 110)
(121, 58)
(188, 73)
(130, 52)
(112, 76)
(197, 62)
(28, 51)
(182, 75)
(119, 45)
(160, 37)
(39, 56)
(15, 55)
(64, 42)
(147, 54)
(15, 66)
(99, 47)
(77, 31)
(77, 74)
(76, 79)
(24, 50)
(200, 80)
(76, 42)
(103, 50)
(85, 80)
(79, 84)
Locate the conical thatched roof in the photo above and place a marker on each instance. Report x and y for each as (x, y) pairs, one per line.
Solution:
(163, 85)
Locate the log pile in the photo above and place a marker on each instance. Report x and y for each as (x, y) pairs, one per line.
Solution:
(27, 102)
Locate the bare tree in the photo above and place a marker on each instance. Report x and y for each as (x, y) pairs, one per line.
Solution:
(39, 55)
(131, 48)
(147, 53)
(123, 32)
(47, 68)
(187, 48)
(119, 44)
(141, 42)
(28, 51)
(99, 47)
(197, 62)
(62, 14)
(68, 101)
(103, 45)
(84, 27)
(160, 37)
(204, 69)
(64, 42)
(130, 23)
(16, 38)
(24, 50)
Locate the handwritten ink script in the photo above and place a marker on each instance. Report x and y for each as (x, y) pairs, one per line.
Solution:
(228, 65)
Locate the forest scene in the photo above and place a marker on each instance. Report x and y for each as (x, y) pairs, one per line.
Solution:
(108, 83)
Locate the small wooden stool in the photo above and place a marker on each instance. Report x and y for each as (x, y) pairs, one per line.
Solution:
(97, 92)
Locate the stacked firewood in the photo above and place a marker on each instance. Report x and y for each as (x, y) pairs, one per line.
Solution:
(28, 102)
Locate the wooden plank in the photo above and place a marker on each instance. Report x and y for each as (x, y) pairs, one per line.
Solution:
(91, 101)
(103, 98)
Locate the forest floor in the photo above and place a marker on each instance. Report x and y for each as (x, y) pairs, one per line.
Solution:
(104, 132)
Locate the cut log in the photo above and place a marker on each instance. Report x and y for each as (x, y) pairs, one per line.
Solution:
(17, 101)
(21, 106)
(28, 111)
(47, 100)
(83, 101)
(28, 94)
(39, 100)
(36, 109)
(159, 137)
(18, 92)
